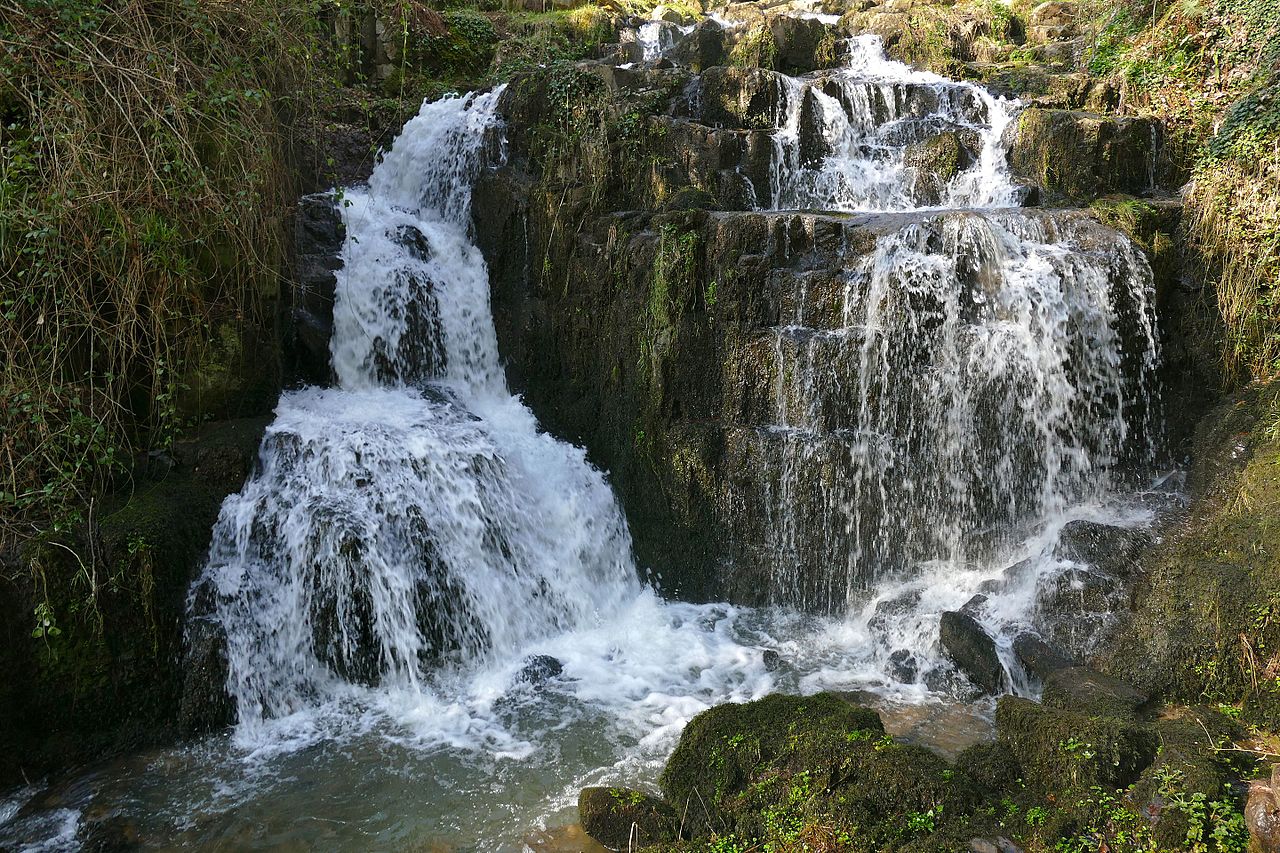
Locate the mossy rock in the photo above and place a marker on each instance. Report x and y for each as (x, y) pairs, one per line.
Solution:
(1062, 751)
(788, 762)
(1083, 155)
(1087, 691)
(621, 818)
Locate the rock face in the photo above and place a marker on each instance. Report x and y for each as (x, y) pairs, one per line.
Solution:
(1083, 155)
(121, 688)
(623, 819)
(318, 236)
(973, 651)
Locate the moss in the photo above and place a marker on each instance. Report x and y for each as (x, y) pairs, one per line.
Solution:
(620, 817)
(1206, 623)
(785, 766)
(1063, 751)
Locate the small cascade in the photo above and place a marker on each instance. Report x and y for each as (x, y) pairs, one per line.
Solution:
(414, 517)
(874, 135)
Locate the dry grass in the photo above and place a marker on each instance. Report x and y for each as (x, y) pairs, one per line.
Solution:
(143, 190)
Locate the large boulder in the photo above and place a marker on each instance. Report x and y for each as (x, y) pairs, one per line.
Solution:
(817, 761)
(703, 48)
(972, 650)
(1083, 155)
(1106, 547)
(1039, 658)
(624, 819)
(1078, 688)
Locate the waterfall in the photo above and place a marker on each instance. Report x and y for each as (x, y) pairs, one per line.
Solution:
(989, 368)
(412, 517)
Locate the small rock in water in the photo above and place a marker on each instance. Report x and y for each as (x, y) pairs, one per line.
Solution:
(974, 605)
(1038, 657)
(772, 660)
(891, 607)
(540, 669)
(972, 650)
(623, 819)
(903, 666)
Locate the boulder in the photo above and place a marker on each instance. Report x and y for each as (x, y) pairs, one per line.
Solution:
(802, 44)
(1055, 20)
(972, 650)
(1083, 155)
(623, 819)
(771, 659)
(1039, 658)
(539, 669)
(940, 158)
(1078, 688)
(670, 15)
(1063, 751)
(805, 760)
(903, 666)
(702, 48)
(1106, 547)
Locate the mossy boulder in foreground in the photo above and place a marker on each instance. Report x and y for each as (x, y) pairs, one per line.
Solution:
(784, 764)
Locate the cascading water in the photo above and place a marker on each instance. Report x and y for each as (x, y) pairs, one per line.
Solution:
(438, 601)
(397, 518)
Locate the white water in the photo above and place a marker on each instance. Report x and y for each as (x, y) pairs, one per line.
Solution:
(411, 538)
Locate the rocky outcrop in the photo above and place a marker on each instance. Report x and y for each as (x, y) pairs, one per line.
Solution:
(1219, 560)
(1083, 155)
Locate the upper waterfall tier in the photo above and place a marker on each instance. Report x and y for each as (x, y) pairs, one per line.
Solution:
(416, 516)
(874, 135)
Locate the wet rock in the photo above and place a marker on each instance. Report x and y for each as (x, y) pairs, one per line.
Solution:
(1011, 577)
(1083, 155)
(1039, 658)
(972, 650)
(940, 158)
(903, 666)
(891, 608)
(974, 605)
(1111, 549)
(539, 669)
(624, 819)
(318, 237)
(1088, 691)
(204, 705)
(771, 659)
(108, 834)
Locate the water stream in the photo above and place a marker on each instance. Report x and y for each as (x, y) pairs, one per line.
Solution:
(435, 628)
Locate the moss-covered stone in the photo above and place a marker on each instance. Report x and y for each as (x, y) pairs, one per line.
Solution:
(783, 763)
(1083, 155)
(1062, 751)
(1206, 619)
(623, 819)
